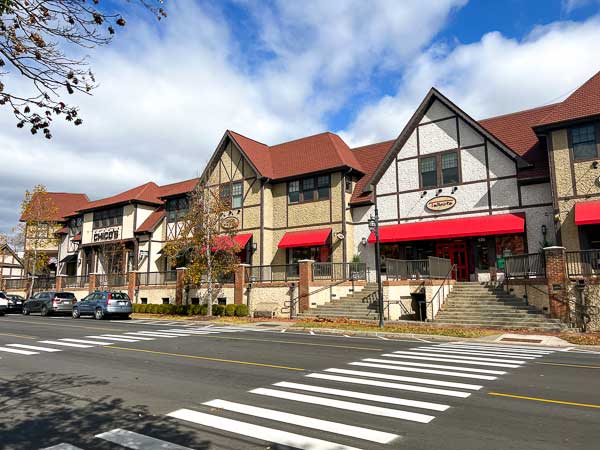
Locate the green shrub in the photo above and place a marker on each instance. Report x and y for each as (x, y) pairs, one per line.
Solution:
(203, 310)
(230, 310)
(241, 310)
(218, 310)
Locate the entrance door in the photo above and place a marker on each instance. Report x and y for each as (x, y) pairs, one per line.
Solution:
(456, 252)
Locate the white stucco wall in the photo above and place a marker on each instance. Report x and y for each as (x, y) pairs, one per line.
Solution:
(534, 194)
(473, 164)
(468, 136)
(500, 164)
(436, 111)
(505, 193)
(438, 136)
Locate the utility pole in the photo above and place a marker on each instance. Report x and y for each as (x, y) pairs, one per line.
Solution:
(206, 200)
(374, 227)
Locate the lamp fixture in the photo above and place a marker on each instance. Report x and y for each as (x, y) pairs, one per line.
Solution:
(544, 230)
(363, 241)
(254, 246)
(595, 165)
(454, 189)
(423, 194)
(439, 191)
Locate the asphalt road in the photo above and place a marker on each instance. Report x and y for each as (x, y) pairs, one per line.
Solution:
(235, 388)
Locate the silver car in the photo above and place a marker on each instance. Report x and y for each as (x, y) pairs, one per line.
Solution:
(49, 302)
(103, 303)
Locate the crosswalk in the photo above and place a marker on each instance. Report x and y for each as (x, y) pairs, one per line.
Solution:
(57, 345)
(331, 408)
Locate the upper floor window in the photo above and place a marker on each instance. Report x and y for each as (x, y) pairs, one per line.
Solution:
(75, 226)
(108, 217)
(177, 208)
(583, 140)
(309, 189)
(231, 194)
(439, 170)
(225, 194)
(348, 185)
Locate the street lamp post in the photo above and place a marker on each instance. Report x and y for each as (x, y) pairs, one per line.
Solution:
(374, 227)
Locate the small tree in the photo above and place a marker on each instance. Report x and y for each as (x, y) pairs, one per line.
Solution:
(36, 232)
(203, 245)
(112, 257)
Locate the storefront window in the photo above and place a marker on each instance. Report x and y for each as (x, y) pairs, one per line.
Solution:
(319, 254)
(482, 254)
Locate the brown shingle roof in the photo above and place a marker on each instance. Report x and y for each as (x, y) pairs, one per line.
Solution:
(145, 193)
(152, 221)
(585, 101)
(63, 203)
(182, 187)
(369, 156)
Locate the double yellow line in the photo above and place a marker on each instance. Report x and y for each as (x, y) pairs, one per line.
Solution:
(544, 400)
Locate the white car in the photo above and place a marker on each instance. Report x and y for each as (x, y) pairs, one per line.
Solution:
(3, 303)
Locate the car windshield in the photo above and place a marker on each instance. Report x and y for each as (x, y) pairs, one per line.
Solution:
(64, 295)
(120, 296)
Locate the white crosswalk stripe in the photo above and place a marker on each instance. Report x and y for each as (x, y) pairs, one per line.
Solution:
(62, 446)
(461, 351)
(170, 333)
(441, 366)
(118, 336)
(256, 431)
(364, 396)
(304, 421)
(461, 357)
(453, 360)
(20, 352)
(499, 348)
(420, 370)
(85, 341)
(34, 348)
(113, 338)
(136, 441)
(150, 334)
(65, 344)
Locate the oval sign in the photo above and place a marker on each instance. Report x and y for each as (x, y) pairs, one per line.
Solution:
(441, 203)
(230, 222)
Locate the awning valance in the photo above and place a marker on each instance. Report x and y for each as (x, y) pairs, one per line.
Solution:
(587, 213)
(226, 242)
(311, 238)
(69, 258)
(452, 228)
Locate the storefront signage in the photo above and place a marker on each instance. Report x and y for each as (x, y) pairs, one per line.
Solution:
(230, 222)
(106, 234)
(441, 203)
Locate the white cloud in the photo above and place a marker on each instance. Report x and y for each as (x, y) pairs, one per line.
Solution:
(494, 76)
(568, 6)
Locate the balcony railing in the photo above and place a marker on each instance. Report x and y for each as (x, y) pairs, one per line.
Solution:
(43, 283)
(15, 283)
(268, 274)
(108, 280)
(339, 271)
(584, 263)
(532, 265)
(430, 268)
(157, 278)
(75, 281)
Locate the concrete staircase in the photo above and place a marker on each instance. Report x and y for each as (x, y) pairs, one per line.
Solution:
(488, 306)
(354, 306)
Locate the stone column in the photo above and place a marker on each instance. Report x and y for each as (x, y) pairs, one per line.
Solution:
(92, 282)
(306, 266)
(132, 283)
(59, 283)
(239, 284)
(558, 283)
(180, 286)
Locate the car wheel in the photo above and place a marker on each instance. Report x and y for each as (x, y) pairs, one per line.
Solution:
(98, 314)
(75, 313)
(25, 311)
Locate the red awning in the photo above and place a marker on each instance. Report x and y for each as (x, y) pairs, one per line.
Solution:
(587, 213)
(76, 237)
(311, 238)
(453, 228)
(225, 242)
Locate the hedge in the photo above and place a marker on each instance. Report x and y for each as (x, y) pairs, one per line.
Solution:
(192, 310)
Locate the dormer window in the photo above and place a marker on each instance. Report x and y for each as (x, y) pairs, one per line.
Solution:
(583, 140)
(177, 208)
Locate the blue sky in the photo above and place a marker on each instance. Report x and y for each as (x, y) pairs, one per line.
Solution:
(278, 70)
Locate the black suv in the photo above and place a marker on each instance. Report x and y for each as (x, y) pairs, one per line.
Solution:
(49, 302)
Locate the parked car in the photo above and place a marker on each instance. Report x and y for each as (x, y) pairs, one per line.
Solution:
(101, 304)
(15, 302)
(3, 303)
(49, 302)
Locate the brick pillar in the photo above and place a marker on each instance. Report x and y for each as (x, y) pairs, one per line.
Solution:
(59, 282)
(556, 276)
(239, 284)
(132, 283)
(180, 286)
(92, 283)
(306, 266)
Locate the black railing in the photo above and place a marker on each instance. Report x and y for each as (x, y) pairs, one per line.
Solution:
(532, 265)
(430, 268)
(43, 283)
(107, 280)
(339, 271)
(585, 263)
(157, 278)
(75, 281)
(15, 283)
(268, 274)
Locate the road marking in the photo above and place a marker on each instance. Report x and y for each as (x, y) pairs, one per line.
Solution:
(311, 332)
(20, 352)
(420, 370)
(580, 366)
(348, 406)
(120, 336)
(62, 446)
(33, 347)
(162, 333)
(461, 357)
(496, 348)
(85, 341)
(461, 351)
(364, 396)
(383, 337)
(129, 439)
(441, 366)
(186, 332)
(207, 358)
(270, 435)
(49, 323)
(140, 333)
(385, 376)
(303, 421)
(66, 344)
(404, 387)
(120, 339)
(544, 400)
(283, 331)
(351, 347)
(18, 335)
(452, 360)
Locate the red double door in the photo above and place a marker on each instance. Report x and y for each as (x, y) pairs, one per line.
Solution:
(456, 252)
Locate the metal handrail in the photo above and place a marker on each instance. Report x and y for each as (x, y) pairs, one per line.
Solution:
(448, 276)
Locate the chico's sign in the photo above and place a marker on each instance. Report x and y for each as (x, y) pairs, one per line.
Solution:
(106, 234)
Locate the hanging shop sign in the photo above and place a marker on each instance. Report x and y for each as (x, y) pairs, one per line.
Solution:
(106, 234)
(441, 203)
(230, 222)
